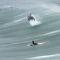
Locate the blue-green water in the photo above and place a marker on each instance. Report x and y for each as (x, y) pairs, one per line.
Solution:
(16, 32)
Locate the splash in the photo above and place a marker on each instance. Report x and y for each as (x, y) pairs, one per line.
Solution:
(34, 23)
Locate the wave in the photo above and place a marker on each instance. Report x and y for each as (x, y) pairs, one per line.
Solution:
(46, 34)
(50, 34)
(12, 23)
(45, 56)
(52, 7)
(16, 21)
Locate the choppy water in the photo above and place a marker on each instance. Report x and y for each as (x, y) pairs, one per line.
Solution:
(16, 32)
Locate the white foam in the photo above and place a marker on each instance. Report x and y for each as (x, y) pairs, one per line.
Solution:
(45, 56)
(48, 13)
(34, 23)
(8, 6)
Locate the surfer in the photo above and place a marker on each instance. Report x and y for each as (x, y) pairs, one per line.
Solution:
(30, 17)
(33, 43)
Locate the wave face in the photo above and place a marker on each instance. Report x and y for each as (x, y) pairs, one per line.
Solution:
(16, 32)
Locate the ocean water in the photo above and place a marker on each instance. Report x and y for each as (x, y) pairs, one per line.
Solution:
(16, 32)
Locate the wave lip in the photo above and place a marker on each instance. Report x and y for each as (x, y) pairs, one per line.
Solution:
(46, 56)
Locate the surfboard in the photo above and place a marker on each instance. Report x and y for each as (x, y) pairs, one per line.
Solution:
(30, 45)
